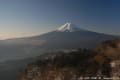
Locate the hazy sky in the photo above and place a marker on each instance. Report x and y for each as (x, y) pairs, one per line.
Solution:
(29, 17)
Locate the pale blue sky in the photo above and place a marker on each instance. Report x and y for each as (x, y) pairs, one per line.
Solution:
(30, 17)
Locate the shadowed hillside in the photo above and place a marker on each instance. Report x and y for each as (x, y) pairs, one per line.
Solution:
(109, 48)
(74, 64)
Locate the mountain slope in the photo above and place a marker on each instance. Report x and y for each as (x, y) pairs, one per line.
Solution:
(83, 39)
(68, 36)
(71, 36)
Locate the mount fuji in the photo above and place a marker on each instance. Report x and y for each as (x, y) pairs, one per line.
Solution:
(68, 36)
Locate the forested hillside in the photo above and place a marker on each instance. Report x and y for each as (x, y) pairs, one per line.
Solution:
(74, 64)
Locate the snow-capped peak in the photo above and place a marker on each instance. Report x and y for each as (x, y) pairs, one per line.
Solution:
(68, 27)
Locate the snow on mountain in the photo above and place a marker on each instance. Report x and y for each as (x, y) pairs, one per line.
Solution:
(68, 27)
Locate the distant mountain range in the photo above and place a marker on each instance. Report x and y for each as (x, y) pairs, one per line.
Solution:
(68, 36)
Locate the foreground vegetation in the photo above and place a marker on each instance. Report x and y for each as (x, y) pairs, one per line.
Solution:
(75, 64)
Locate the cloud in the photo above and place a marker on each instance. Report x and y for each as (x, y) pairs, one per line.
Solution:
(16, 35)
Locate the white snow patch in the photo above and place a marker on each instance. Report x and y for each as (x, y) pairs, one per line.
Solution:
(68, 27)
